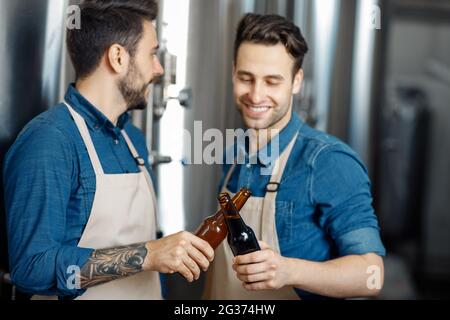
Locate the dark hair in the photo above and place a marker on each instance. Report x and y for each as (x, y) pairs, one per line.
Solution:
(271, 30)
(104, 23)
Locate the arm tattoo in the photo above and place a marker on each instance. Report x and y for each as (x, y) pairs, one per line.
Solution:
(110, 264)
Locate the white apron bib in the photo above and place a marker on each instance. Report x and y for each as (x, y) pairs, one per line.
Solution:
(123, 213)
(259, 213)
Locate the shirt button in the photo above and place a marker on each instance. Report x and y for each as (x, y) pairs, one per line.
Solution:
(116, 141)
(249, 166)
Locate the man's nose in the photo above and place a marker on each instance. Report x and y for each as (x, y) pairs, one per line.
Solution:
(256, 94)
(158, 68)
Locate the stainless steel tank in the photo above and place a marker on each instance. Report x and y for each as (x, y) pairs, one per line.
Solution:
(31, 37)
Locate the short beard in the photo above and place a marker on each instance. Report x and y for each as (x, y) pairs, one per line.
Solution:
(134, 98)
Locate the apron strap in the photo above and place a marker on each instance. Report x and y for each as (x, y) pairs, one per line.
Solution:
(268, 217)
(228, 177)
(143, 168)
(278, 170)
(83, 129)
(139, 160)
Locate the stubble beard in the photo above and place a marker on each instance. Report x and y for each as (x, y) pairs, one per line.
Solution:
(135, 99)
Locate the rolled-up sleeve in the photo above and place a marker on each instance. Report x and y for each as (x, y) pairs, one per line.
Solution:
(340, 188)
(38, 172)
(361, 241)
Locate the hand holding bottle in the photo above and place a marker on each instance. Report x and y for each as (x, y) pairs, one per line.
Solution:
(181, 252)
(263, 270)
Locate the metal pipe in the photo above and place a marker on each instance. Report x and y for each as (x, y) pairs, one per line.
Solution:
(325, 28)
(363, 82)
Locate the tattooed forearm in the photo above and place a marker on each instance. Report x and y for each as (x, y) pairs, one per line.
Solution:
(110, 264)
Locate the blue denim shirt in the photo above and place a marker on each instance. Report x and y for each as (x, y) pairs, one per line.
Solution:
(324, 203)
(49, 191)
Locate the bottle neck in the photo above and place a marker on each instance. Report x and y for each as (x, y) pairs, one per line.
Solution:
(239, 201)
(230, 211)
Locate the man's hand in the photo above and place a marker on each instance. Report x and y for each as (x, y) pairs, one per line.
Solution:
(344, 277)
(262, 270)
(181, 252)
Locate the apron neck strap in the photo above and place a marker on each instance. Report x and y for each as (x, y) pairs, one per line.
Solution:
(268, 215)
(228, 177)
(278, 170)
(141, 164)
(83, 129)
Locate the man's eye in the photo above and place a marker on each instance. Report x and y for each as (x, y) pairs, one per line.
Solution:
(273, 84)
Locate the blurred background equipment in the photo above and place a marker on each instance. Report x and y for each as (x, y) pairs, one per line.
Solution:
(377, 76)
(412, 180)
(402, 168)
(31, 57)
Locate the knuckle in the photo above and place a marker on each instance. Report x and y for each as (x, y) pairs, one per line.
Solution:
(182, 243)
(177, 263)
(179, 251)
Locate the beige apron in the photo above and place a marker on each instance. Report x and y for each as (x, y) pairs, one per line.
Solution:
(259, 213)
(123, 213)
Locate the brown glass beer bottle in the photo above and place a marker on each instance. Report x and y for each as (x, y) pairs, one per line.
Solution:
(214, 229)
(241, 238)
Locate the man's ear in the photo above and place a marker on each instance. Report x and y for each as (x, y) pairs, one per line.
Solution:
(298, 80)
(118, 59)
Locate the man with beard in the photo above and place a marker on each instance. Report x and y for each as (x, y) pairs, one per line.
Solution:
(81, 209)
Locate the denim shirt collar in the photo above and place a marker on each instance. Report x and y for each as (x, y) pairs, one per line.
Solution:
(94, 118)
(284, 137)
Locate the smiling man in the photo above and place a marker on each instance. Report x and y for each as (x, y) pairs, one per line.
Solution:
(319, 233)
